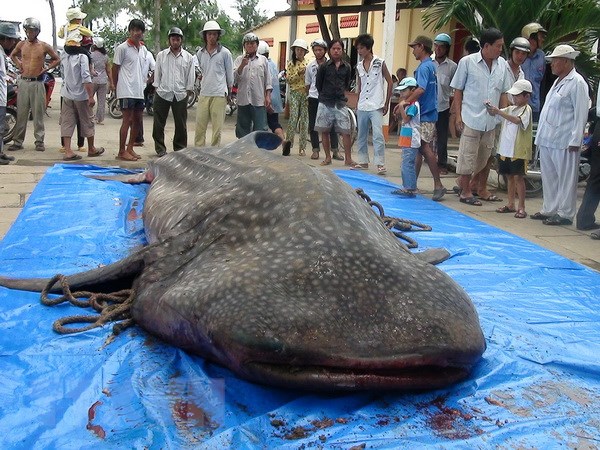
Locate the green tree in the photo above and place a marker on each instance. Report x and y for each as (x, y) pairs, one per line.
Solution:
(576, 22)
(250, 14)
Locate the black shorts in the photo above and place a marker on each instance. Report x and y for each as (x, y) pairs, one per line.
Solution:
(510, 166)
(132, 103)
(273, 121)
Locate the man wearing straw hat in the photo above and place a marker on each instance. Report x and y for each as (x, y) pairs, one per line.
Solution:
(559, 136)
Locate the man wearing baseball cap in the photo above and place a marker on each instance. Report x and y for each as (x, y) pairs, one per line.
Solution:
(426, 94)
(534, 66)
(559, 137)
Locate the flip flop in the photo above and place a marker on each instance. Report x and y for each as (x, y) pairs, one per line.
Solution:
(123, 158)
(326, 163)
(491, 198)
(98, 152)
(315, 155)
(505, 209)
(470, 201)
(520, 214)
(595, 235)
(72, 158)
(359, 166)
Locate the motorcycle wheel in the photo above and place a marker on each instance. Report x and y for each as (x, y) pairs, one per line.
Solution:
(114, 110)
(191, 99)
(9, 125)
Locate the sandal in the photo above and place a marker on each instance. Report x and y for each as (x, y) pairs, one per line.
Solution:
(595, 235)
(470, 201)
(359, 166)
(405, 193)
(98, 152)
(506, 209)
(539, 216)
(315, 155)
(520, 214)
(301, 153)
(72, 158)
(381, 170)
(491, 198)
(327, 162)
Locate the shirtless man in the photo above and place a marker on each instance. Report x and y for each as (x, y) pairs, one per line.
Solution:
(29, 56)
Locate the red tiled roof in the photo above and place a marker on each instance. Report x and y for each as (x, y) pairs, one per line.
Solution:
(349, 21)
(312, 27)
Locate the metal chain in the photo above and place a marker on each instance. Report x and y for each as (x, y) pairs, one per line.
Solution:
(396, 225)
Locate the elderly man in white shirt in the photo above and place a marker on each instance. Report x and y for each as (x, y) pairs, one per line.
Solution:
(480, 79)
(174, 77)
(559, 137)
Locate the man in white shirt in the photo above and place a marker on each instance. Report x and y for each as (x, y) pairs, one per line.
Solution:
(128, 76)
(174, 77)
(216, 68)
(251, 74)
(559, 137)
(481, 78)
(374, 88)
(77, 92)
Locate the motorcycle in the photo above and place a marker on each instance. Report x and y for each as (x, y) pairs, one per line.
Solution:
(11, 113)
(231, 105)
(192, 97)
(114, 108)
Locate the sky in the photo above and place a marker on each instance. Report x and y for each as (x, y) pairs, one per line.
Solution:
(20, 9)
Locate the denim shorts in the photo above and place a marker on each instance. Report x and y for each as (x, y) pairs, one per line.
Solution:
(132, 103)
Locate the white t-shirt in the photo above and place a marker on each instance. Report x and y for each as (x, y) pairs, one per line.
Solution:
(133, 70)
(508, 136)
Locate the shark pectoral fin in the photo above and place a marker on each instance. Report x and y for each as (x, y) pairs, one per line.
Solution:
(114, 277)
(433, 255)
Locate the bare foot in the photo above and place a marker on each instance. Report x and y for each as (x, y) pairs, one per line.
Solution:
(126, 157)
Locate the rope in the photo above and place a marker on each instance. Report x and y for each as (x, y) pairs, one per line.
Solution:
(396, 225)
(113, 307)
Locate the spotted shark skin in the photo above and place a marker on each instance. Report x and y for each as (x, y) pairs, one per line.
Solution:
(280, 272)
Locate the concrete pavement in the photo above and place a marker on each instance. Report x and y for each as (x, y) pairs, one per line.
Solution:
(18, 180)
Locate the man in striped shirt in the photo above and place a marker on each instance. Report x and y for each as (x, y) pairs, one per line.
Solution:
(174, 77)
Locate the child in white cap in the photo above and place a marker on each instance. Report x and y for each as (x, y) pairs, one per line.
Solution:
(514, 145)
(74, 33)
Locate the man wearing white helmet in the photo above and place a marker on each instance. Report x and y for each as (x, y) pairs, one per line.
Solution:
(174, 78)
(216, 70)
(535, 65)
(445, 69)
(251, 74)
(9, 36)
(29, 57)
(559, 137)
(102, 78)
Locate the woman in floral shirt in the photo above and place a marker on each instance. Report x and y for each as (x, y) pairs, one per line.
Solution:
(297, 97)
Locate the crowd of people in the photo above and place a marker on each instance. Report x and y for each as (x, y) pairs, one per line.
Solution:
(490, 101)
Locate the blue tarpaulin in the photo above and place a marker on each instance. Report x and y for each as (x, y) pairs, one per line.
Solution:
(538, 384)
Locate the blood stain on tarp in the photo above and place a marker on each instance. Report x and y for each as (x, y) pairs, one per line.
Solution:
(96, 429)
(451, 423)
(324, 423)
(185, 412)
